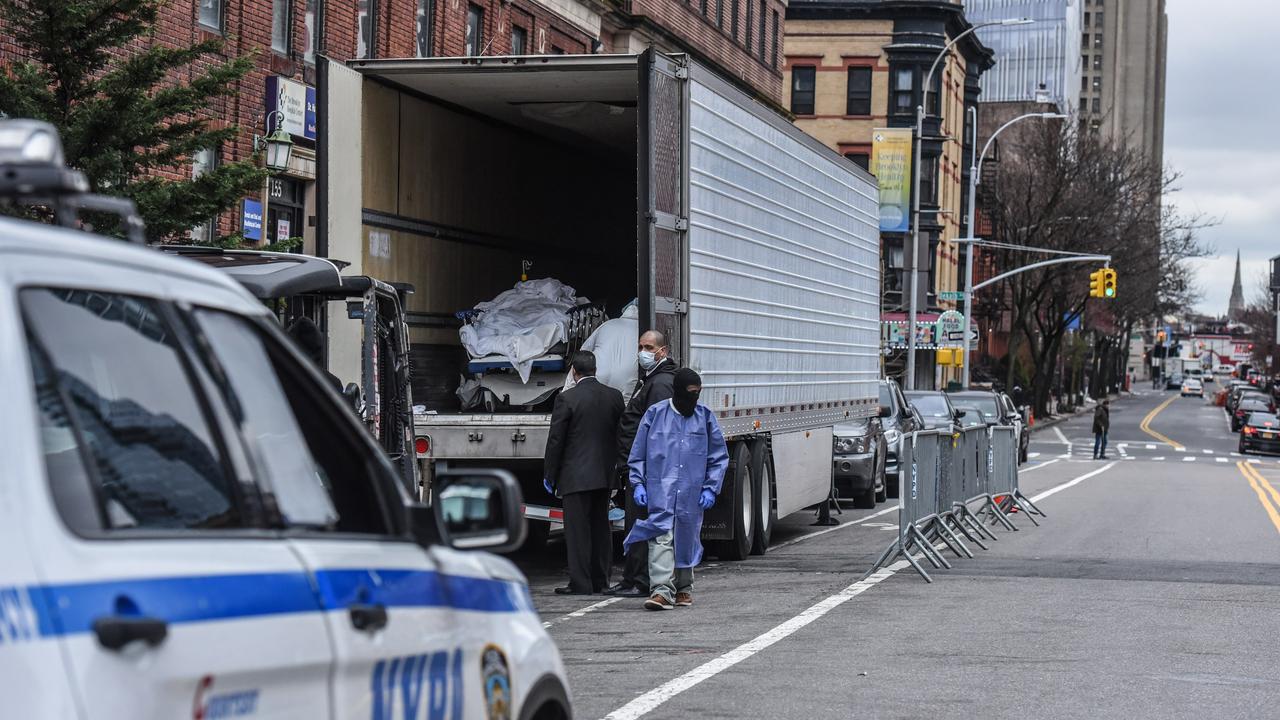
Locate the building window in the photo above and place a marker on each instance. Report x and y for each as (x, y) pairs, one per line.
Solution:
(733, 20)
(773, 52)
(861, 159)
(720, 14)
(366, 19)
(764, 16)
(1087, 17)
(1097, 18)
(281, 26)
(859, 93)
(426, 8)
(703, 7)
(204, 161)
(1084, 104)
(519, 40)
(1097, 83)
(1084, 83)
(803, 78)
(929, 181)
(1097, 62)
(1084, 41)
(747, 30)
(475, 31)
(1097, 40)
(903, 91)
(1097, 106)
(309, 33)
(211, 15)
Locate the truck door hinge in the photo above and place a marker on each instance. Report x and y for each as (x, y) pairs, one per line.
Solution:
(682, 223)
(518, 436)
(682, 73)
(475, 437)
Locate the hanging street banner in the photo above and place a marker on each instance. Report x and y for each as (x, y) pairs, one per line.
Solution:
(891, 164)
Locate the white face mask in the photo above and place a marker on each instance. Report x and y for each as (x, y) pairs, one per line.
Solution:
(647, 360)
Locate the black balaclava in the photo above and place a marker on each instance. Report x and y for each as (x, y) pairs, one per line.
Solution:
(683, 400)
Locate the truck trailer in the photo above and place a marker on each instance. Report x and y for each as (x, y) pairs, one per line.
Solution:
(749, 244)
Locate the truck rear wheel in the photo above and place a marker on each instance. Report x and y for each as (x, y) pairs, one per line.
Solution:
(766, 513)
(744, 510)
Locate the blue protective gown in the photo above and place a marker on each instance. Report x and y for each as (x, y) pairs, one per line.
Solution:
(675, 458)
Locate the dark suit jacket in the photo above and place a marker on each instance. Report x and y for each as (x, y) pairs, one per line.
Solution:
(657, 386)
(582, 444)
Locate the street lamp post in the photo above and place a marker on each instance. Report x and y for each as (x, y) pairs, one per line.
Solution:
(975, 177)
(914, 277)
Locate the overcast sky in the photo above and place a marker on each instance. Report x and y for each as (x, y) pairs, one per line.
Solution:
(1222, 115)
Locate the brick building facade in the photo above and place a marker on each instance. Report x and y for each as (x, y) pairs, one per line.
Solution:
(741, 37)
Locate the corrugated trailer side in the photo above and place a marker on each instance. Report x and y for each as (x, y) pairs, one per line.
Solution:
(784, 298)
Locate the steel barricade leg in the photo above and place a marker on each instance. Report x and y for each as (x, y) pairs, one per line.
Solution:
(927, 549)
(945, 530)
(975, 524)
(957, 519)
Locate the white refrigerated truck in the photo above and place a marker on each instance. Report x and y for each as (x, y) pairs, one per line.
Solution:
(752, 246)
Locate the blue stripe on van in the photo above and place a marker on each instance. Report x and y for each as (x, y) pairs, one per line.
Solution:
(72, 608)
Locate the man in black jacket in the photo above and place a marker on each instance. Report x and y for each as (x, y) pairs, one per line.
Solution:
(658, 372)
(582, 447)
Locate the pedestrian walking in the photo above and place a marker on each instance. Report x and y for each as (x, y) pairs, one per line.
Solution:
(582, 446)
(677, 466)
(657, 370)
(1101, 424)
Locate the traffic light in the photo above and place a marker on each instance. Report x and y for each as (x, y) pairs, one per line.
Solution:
(1108, 283)
(1095, 283)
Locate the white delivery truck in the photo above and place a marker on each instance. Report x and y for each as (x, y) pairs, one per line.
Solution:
(752, 246)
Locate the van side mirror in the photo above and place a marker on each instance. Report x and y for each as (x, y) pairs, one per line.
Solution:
(478, 509)
(886, 411)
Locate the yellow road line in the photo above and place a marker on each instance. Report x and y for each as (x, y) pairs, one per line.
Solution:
(1258, 482)
(1146, 425)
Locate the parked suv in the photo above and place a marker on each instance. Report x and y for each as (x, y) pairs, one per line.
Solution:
(897, 419)
(194, 523)
(936, 410)
(858, 458)
(992, 408)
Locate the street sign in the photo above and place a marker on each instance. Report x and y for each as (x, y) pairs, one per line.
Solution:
(956, 295)
(957, 336)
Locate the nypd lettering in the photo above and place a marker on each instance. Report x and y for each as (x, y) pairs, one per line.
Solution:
(418, 687)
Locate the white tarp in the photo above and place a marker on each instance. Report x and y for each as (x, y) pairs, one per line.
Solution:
(521, 324)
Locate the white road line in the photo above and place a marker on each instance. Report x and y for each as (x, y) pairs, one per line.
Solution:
(650, 701)
(583, 611)
(1208, 452)
(1253, 461)
(1072, 483)
(1037, 466)
(824, 531)
(1123, 450)
(1033, 455)
(1221, 459)
(1058, 431)
(1180, 449)
(1151, 447)
(1189, 458)
(1158, 458)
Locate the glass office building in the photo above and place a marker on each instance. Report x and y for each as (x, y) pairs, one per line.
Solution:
(1044, 56)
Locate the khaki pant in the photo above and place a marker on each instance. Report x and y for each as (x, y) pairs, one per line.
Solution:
(665, 578)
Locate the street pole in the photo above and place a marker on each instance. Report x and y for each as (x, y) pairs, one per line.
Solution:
(975, 178)
(913, 277)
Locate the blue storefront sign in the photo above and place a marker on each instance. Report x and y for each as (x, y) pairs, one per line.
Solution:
(251, 219)
(296, 104)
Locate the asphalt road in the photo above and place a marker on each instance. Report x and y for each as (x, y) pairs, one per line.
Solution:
(1151, 590)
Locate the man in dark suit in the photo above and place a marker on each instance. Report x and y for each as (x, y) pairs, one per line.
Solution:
(657, 371)
(580, 461)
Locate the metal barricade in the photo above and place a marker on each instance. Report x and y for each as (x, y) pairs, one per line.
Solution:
(942, 476)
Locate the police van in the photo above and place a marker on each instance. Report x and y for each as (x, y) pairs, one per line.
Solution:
(195, 526)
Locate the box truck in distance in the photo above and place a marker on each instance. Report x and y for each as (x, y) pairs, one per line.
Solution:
(751, 246)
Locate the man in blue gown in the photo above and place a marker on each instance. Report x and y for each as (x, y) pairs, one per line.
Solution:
(677, 465)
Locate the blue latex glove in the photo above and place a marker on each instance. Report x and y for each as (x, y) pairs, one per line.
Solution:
(547, 484)
(706, 500)
(641, 497)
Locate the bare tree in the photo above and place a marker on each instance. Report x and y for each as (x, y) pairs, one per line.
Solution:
(1063, 188)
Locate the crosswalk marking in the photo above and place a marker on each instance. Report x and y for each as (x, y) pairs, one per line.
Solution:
(1150, 446)
(1221, 459)
(1189, 458)
(1158, 458)
(1208, 452)
(1180, 449)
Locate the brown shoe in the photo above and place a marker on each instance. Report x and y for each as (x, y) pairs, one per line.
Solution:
(657, 602)
(684, 599)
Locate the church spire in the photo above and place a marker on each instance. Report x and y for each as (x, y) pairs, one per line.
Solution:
(1235, 307)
